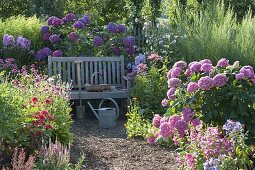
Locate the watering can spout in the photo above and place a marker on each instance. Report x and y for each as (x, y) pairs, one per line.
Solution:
(93, 110)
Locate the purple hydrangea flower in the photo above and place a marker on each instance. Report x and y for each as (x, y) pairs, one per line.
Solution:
(23, 42)
(54, 38)
(156, 121)
(220, 80)
(176, 72)
(64, 20)
(46, 36)
(121, 28)
(247, 71)
(8, 40)
(164, 102)
(195, 67)
(206, 67)
(70, 16)
(56, 22)
(180, 64)
(223, 63)
(78, 25)
(205, 83)
(130, 50)
(45, 29)
(239, 76)
(43, 53)
(73, 36)
(129, 41)
(87, 19)
(174, 119)
(188, 72)
(49, 21)
(165, 130)
(192, 87)
(112, 27)
(187, 114)
(195, 122)
(57, 53)
(116, 51)
(47, 51)
(171, 93)
(173, 82)
(82, 20)
(139, 59)
(205, 61)
(181, 126)
(98, 41)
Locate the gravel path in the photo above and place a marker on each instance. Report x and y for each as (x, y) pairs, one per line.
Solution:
(110, 149)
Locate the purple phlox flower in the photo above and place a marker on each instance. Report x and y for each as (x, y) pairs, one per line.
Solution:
(181, 64)
(8, 40)
(220, 80)
(112, 27)
(46, 36)
(9, 60)
(50, 20)
(70, 16)
(56, 22)
(247, 71)
(206, 67)
(205, 61)
(174, 82)
(139, 59)
(171, 93)
(156, 121)
(164, 102)
(191, 160)
(54, 38)
(154, 57)
(57, 53)
(223, 63)
(78, 25)
(195, 67)
(129, 41)
(73, 36)
(176, 72)
(130, 50)
(23, 42)
(121, 28)
(116, 51)
(98, 41)
(187, 114)
(45, 29)
(205, 83)
(87, 19)
(192, 87)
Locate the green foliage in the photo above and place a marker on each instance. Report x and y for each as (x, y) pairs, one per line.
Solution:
(10, 8)
(33, 108)
(214, 33)
(137, 125)
(150, 89)
(27, 27)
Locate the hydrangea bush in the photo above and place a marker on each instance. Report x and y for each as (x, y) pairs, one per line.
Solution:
(214, 93)
(33, 107)
(80, 36)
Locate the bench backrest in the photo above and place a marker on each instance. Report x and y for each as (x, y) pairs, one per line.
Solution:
(111, 69)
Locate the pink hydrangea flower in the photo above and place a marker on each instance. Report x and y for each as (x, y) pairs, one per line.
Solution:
(206, 67)
(195, 122)
(176, 72)
(223, 63)
(180, 64)
(220, 80)
(156, 121)
(165, 130)
(205, 61)
(192, 87)
(188, 72)
(171, 93)
(163, 119)
(195, 67)
(187, 114)
(152, 138)
(164, 102)
(205, 83)
(173, 119)
(247, 71)
(239, 76)
(173, 82)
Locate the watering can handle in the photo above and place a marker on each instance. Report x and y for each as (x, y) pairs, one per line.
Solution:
(93, 110)
(117, 107)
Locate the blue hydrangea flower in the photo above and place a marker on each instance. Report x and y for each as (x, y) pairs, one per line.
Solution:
(112, 27)
(8, 40)
(98, 41)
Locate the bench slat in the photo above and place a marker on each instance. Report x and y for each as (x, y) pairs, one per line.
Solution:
(105, 77)
(118, 72)
(64, 71)
(109, 73)
(85, 59)
(91, 71)
(68, 72)
(101, 72)
(113, 73)
(73, 74)
(82, 74)
(87, 72)
(96, 74)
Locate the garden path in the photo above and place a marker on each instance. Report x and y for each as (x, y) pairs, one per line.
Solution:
(109, 149)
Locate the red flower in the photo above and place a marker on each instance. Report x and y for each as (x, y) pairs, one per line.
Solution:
(44, 112)
(34, 100)
(48, 127)
(48, 101)
(36, 123)
(50, 117)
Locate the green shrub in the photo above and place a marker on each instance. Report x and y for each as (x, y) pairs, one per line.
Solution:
(27, 27)
(33, 107)
(214, 33)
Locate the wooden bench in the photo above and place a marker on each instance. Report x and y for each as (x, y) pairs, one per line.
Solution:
(79, 70)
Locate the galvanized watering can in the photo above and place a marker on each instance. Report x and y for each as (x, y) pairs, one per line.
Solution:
(107, 116)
